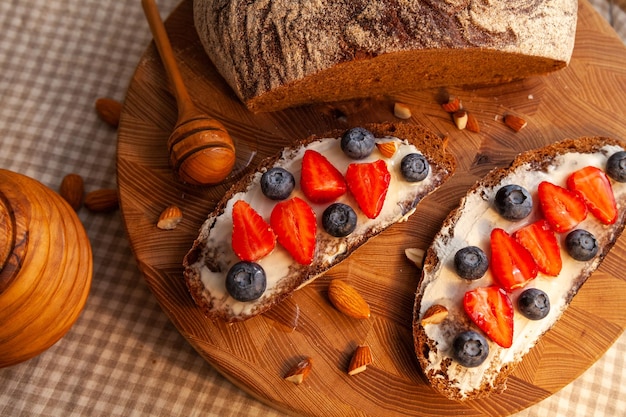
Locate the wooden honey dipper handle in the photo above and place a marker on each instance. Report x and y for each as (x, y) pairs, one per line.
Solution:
(183, 101)
(201, 150)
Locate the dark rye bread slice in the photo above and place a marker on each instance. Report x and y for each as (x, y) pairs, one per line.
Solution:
(211, 255)
(440, 285)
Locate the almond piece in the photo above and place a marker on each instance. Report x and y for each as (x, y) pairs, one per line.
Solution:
(387, 148)
(435, 314)
(460, 119)
(102, 200)
(72, 190)
(472, 123)
(169, 218)
(361, 357)
(514, 122)
(109, 110)
(415, 255)
(401, 111)
(299, 371)
(346, 299)
(452, 105)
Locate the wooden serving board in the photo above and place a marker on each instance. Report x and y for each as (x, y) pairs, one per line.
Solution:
(587, 98)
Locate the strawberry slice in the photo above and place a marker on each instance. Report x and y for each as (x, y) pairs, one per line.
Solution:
(562, 208)
(368, 183)
(320, 181)
(594, 187)
(252, 237)
(539, 239)
(490, 308)
(295, 225)
(511, 264)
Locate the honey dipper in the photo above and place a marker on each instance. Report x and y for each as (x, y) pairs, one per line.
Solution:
(201, 150)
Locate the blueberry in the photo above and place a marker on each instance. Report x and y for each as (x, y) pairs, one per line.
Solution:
(277, 183)
(616, 166)
(339, 220)
(581, 245)
(414, 167)
(357, 143)
(513, 202)
(246, 281)
(471, 262)
(470, 348)
(534, 304)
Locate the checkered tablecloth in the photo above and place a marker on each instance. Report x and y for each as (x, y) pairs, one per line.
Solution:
(123, 357)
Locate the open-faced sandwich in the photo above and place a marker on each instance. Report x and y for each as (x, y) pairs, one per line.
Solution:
(307, 209)
(508, 261)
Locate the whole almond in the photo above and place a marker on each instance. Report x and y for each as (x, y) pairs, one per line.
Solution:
(72, 190)
(299, 371)
(346, 299)
(102, 200)
(109, 110)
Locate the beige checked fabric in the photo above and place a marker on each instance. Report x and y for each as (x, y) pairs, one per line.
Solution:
(123, 357)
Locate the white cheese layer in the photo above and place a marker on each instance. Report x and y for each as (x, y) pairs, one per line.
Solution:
(279, 264)
(473, 227)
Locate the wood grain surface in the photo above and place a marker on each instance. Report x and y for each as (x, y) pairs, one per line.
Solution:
(587, 98)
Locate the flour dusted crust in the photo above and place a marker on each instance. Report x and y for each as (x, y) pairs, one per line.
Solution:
(282, 53)
(207, 262)
(431, 344)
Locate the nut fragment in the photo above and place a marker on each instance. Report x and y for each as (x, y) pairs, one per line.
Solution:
(415, 255)
(452, 105)
(460, 119)
(102, 200)
(346, 299)
(401, 111)
(435, 314)
(514, 122)
(109, 110)
(169, 218)
(361, 357)
(72, 190)
(299, 371)
(387, 148)
(472, 123)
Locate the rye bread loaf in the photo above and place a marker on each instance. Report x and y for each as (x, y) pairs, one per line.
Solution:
(470, 224)
(282, 53)
(207, 262)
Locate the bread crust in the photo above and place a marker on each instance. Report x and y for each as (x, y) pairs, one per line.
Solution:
(426, 348)
(282, 53)
(442, 167)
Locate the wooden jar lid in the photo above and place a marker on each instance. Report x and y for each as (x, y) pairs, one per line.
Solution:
(46, 267)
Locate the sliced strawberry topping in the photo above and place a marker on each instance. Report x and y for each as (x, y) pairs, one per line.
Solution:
(368, 183)
(252, 237)
(594, 187)
(320, 181)
(295, 225)
(539, 239)
(490, 308)
(562, 208)
(511, 264)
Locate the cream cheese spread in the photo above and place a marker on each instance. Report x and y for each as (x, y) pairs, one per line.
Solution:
(279, 265)
(476, 218)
